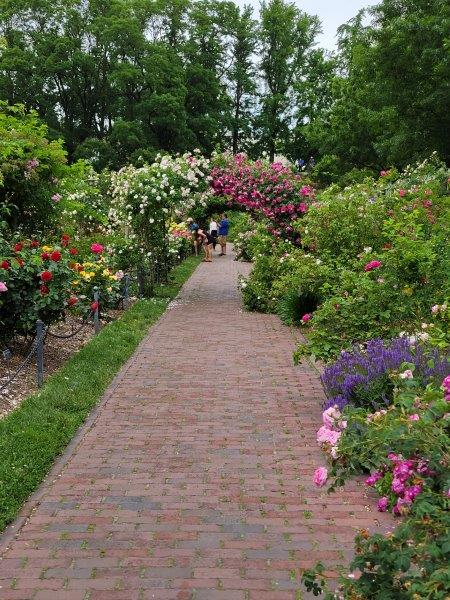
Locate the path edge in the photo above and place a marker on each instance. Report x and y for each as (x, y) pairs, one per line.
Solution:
(13, 529)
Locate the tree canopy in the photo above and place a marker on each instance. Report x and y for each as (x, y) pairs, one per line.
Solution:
(125, 79)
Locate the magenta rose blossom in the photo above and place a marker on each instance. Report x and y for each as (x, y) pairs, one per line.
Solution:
(320, 476)
(97, 248)
(373, 264)
(383, 504)
(306, 318)
(397, 486)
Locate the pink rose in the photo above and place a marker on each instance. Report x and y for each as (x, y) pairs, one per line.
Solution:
(414, 417)
(97, 248)
(328, 436)
(56, 197)
(3, 287)
(402, 193)
(320, 476)
(330, 416)
(306, 318)
(383, 504)
(408, 374)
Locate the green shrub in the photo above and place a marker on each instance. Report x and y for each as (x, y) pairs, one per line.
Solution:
(30, 170)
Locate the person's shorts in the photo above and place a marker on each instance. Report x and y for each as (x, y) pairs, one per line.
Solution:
(222, 240)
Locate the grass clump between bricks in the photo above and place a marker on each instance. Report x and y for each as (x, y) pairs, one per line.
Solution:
(33, 435)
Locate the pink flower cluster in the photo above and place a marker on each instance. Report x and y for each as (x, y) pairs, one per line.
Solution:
(329, 434)
(273, 191)
(446, 386)
(407, 482)
(373, 264)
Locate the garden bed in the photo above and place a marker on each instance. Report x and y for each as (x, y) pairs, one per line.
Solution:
(56, 353)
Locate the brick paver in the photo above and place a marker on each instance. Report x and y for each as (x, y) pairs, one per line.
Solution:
(194, 480)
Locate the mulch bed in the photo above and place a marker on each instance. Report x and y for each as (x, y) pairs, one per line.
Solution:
(56, 353)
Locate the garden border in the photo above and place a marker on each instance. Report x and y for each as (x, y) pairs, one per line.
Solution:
(12, 529)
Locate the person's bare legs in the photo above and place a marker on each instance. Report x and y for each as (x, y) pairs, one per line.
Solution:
(223, 245)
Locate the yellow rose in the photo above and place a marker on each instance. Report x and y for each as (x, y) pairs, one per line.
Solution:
(76, 282)
(106, 272)
(47, 248)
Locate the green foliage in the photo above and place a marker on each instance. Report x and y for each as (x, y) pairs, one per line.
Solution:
(30, 166)
(378, 118)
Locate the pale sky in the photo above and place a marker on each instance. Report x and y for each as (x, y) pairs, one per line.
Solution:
(332, 13)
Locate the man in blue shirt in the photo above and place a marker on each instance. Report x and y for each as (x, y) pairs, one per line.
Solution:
(224, 227)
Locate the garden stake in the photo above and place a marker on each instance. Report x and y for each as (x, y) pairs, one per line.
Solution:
(40, 352)
(96, 313)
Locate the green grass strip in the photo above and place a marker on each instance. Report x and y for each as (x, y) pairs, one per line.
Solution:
(32, 436)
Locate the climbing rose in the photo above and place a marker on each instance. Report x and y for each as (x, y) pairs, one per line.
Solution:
(45, 256)
(320, 476)
(34, 244)
(55, 256)
(65, 237)
(46, 276)
(3, 287)
(44, 290)
(97, 248)
(306, 318)
(5, 265)
(18, 247)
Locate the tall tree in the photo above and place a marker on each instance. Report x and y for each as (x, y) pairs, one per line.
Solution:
(287, 36)
(242, 76)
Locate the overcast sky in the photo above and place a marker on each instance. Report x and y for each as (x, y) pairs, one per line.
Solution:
(332, 13)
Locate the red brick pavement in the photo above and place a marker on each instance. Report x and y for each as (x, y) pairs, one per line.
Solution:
(193, 482)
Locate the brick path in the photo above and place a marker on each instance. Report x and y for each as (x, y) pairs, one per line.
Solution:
(193, 482)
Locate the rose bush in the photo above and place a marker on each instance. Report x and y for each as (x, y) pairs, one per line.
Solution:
(44, 281)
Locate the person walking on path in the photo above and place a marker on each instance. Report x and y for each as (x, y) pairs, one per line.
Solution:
(214, 231)
(205, 239)
(224, 227)
(193, 228)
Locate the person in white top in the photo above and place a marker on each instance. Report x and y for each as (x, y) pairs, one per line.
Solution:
(214, 231)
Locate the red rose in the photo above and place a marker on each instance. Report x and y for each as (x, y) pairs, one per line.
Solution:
(18, 247)
(65, 237)
(94, 306)
(55, 256)
(34, 244)
(72, 301)
(46, 276)
(5, 265)
(45, 256)
(64, 243)
(44, 290)
(73, 251)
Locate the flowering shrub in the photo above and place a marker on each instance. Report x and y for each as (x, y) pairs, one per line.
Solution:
(272, 192)
(146, 199)
(42, 282)
(361, 377)
(30, 169)
(405, 449)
